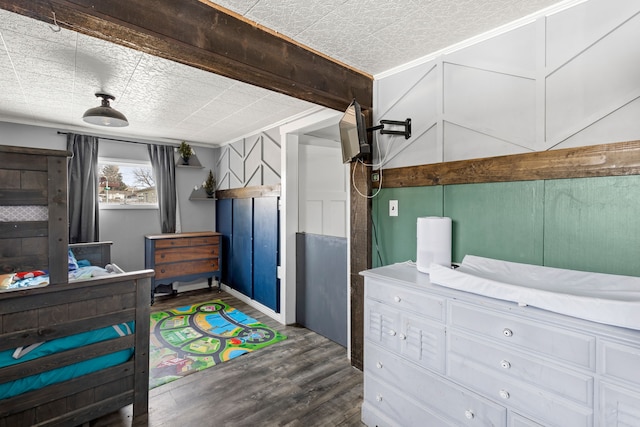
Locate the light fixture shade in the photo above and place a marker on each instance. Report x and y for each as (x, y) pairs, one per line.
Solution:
(105, 115)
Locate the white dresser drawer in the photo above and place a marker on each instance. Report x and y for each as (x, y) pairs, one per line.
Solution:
(563, 344)
(384, 406)
(521, 366)
(461, 406)
(552, 409)
(406, 299)
(618, 406)
(619, 361)
(516, 420)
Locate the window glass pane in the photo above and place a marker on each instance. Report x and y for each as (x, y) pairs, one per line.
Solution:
(122, 183)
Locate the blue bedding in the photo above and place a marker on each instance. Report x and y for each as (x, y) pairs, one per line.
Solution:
(64, 373)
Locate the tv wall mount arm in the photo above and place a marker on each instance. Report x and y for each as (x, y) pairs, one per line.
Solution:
(406, 132)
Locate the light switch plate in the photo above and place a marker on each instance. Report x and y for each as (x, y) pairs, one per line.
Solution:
(393, 208)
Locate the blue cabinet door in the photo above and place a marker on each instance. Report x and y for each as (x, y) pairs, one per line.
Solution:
(242, 247)
(224, 221)
(265, 252)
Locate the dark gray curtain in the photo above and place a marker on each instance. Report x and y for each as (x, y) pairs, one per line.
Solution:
(83, 188)
(164, 172)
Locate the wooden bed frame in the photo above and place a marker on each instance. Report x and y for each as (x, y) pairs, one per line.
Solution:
(38, 177)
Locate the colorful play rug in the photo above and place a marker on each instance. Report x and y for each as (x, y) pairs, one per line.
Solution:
(196, 337)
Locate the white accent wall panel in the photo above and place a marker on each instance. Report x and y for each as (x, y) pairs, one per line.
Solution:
(567, 79)
(251, 161)
(413, 94)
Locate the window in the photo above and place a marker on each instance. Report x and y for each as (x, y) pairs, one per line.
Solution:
(123, 184)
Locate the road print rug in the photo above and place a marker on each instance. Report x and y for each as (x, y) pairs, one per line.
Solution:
(191, 338)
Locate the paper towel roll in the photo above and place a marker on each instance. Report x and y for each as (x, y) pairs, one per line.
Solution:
(434, 242)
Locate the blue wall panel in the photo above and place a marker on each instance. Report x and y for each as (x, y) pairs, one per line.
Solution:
(224, 221)
(265, 252)
(241, 241)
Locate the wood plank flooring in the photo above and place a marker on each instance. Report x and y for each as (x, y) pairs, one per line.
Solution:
(305, 380)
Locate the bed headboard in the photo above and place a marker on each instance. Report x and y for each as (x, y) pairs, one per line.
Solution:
(33, 211)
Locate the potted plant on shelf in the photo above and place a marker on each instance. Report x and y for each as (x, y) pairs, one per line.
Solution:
(209, 184)
(185, 152)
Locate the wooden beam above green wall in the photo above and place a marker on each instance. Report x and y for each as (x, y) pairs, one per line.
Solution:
(206, 36)
(617, 159)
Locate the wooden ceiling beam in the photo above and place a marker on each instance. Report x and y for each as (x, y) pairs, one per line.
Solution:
(201, 35)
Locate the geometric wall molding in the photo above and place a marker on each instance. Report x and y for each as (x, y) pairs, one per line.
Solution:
(566, 79)
(251, 161)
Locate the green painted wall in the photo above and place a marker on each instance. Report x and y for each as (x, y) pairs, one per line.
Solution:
(590, 224)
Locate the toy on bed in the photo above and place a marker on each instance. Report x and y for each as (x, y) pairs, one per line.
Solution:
(97, 318)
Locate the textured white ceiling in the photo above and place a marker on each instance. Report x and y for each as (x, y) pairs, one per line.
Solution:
(49, 78)
(377, 35)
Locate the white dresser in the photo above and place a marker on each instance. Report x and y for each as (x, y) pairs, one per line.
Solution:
(439, 357)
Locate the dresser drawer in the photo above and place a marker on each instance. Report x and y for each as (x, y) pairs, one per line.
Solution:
(185, 254)
(516, 420)
(552, 409)
(523, 367)
(186, 268)
(619, 406)
(384, 406)
(619, 361)
(563, 344)
(406, 299)
(186, 241)
(461, 406)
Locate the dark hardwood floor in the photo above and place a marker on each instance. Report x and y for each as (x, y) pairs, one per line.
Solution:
(305, 380)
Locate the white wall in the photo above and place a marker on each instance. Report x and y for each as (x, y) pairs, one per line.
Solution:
(127, 227)
(565, 79)
(323, 184)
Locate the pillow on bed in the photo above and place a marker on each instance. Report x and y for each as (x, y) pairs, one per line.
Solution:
(73, 263)
(6, 280)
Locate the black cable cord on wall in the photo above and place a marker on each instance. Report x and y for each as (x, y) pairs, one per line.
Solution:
(375, 238)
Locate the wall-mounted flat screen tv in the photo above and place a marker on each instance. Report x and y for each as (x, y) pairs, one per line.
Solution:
(353, 134)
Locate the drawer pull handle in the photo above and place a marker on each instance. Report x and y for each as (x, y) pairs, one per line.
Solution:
(162, 256)
(392, 332)
(507, 332)
(505, 364)
(379, 365)
(397, 299)
(504, 394)
(402, 336)
(379, 397)
(162, 270)
(468, 414)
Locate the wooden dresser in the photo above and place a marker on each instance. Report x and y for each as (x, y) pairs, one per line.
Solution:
(182, 257)
(440, 357)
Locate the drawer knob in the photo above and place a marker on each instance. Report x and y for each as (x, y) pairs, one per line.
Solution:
(379, 365)
(468, 414)
(397, 299)
(402, 336)
(504, 394)
(162, 270)
(392, 332)
(505, 364)
(507, 332)
(379, 397)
